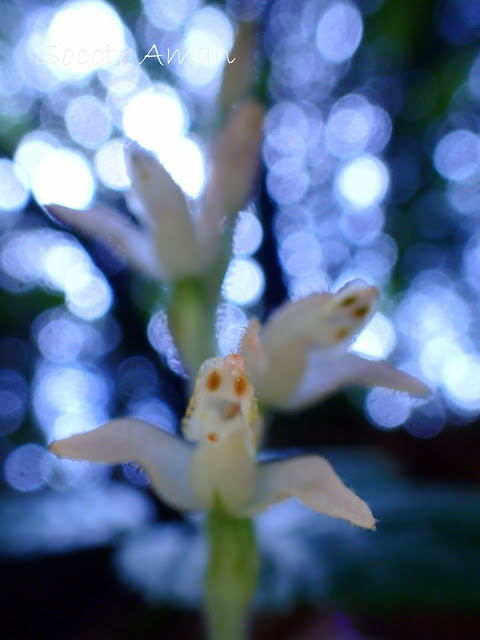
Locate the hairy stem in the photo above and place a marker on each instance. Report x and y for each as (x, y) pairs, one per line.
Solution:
(232, 574)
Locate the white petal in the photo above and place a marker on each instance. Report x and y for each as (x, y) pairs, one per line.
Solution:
(252, 351)
(312, 480)
(165, 458)
(235, 164)
(237, 155)
(128, 240)
(275, 375)
(225, 469)
(238, 77)
(322, 319)
(167, 208)
(277, 356)
(328, 371)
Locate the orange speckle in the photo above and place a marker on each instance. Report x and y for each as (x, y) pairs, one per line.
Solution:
(361, 312)
(231, 411)
(214, 380)
(212, 437)
(240, 385)
(348, 301)
(341, 334)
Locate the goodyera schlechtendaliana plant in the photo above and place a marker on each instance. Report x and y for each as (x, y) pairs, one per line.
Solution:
(300, 355)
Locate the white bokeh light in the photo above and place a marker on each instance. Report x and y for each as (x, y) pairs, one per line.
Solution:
(347, 132)
(87, 121)
(13, 186)
(457, 155)
(248, 234)
(354, 125)
(231, 325)
(91, 299)
(168, 14)
(183, 159)
(363, 182)
(208, 38)
(461, 379)
(339, 32)
(300, 253)
(32, 150)
(244, 282)
(24, 467)
(110, 165)
(64, 177)
(155, 117)
(377, 339)
(388, 409)
(68, 399)
(80, 36)
(436, 355)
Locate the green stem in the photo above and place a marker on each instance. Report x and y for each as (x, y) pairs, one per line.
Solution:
(232, 574)
(191, 318)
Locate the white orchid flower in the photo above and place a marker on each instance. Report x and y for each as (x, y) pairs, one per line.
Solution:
(302, 352)
(169, 242)
(218, 460)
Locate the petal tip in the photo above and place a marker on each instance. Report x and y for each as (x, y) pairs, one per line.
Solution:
(416, 387)
(53, 448)
(365, 519)
(424, 391)
(371, 526)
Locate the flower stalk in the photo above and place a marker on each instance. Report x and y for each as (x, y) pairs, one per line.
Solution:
(191, 319)
(232, 574)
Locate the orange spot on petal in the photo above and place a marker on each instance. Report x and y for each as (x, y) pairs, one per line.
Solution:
(212, 437)
(341, 334)
(348, 301)
(361, 312)
(214, 380)
(240, 385)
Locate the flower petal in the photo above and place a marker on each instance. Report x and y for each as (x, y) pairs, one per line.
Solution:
(328, 371)
(237, 155)
(167, 209)
(322, 319)
(125, 238)
(312, 480)
(276, 357)
(235, 164)
(165, 458)
(237, 78)
(274, 376)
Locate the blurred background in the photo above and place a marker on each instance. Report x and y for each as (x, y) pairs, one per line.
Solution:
(371, 169)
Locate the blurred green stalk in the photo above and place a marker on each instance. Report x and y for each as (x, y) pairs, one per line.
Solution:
(232, 574)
